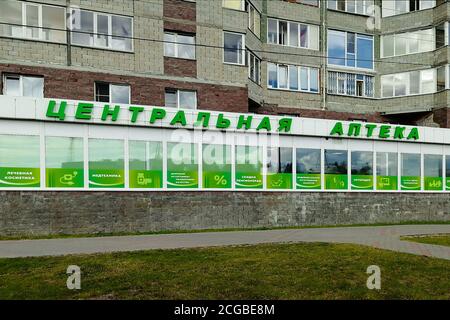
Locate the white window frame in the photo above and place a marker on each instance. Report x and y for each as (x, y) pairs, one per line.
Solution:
(14, 75)
(242, 50)
(366, 5)
(309, 46)
(95, 32)
(176, 44)
(110, 91)
(250, 7)
(178, 98)
(408, 49)
(257, 70)
(299, 68)
(408, 84)
(364, 96)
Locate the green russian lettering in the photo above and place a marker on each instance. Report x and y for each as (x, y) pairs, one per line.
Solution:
(264, 124)
(60, 114)
(203, 119)
(385, 132)
(370, 128)
(338, 129)
(413, 134)
(285, 125)
(399, 133)
(354, 129)
(114, 113)
(157, 114)
(135, 111)
(245, 121)
(180, 118)
(84, 111)
(222, 123)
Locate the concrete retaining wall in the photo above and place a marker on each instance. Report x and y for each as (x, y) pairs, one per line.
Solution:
(42, 213)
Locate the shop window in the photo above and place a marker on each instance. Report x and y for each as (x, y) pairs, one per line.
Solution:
(234, 48)
(179, 45)
(145, 164)
(387, 171)
(19, 161)
(64, 162)
(106, 163)
(410, 172)
(217, 166)
(182, 165)
(308, 163)
(23, 86)
(279, 168)
(112, 93)
(336, 166)
(248, 167)
(433, 175)
(362, 170)
(181, 99)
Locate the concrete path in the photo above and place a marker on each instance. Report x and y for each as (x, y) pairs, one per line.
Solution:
(387, 237)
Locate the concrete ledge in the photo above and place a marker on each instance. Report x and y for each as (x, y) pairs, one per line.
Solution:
(44, 213)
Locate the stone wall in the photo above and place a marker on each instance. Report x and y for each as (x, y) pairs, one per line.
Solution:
(42, 213)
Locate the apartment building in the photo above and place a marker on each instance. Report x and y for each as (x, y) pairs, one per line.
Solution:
(369, 60)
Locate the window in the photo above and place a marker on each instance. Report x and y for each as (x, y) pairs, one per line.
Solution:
(352, 6)
(433, 175)
(411, 172)
(16, 15)
(407, 43)
(112, 93)
(409, 83)
(395, 7)
(181, 99)
(234, 48)
(248, 167)
(308, 169)
(336, 164)
(362, 170)
(254, 68)
(344, 47)
(279, 168)
(64, 162)
(294, 78)
(440, 35)
(358, 85)
(179, 45)
(216, 166)
(387, 171)
(106, 163)
(23, 86)
(441, 78)
(146, 164)
(182, 165)
(19, 161)
(293, 34)
(233, 4)
(254, 20)
(101, 30)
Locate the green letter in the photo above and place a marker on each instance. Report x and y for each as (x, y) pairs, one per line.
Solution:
(285, 125)
(61, 114)
(385, 132)
(84, 111)
(157, 114)
(414, 134)
(354, 129)
(108, 112)
(370, 128)
(338, 129)
(399, 133)
(180, 118)
(203, 117)
(245, 121)
(222, 123)
(135, 113)
(265, 124)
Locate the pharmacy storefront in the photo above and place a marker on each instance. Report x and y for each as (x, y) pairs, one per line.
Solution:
(64, 145)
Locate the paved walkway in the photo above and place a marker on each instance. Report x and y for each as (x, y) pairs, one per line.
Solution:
(387, 237)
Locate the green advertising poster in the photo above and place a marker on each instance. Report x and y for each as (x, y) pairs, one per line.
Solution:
(145, 163)
(336, 182)
(19, 177)
(64, 178)
(249, 167)
(216, 166)
(146, 179)
(448, 184)
(307, 181)
(182, 165)
(410, 183)
(106, 178)
(362, 182)
(434, 184)
(387, 183)
(279, 181)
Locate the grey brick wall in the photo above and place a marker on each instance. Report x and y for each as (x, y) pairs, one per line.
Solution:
(43, 213)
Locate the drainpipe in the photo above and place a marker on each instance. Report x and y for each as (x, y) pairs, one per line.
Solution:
(323, 52)
(68, 38)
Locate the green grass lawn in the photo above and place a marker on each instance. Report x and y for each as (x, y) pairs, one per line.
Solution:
(442, 240)
(276, 271)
